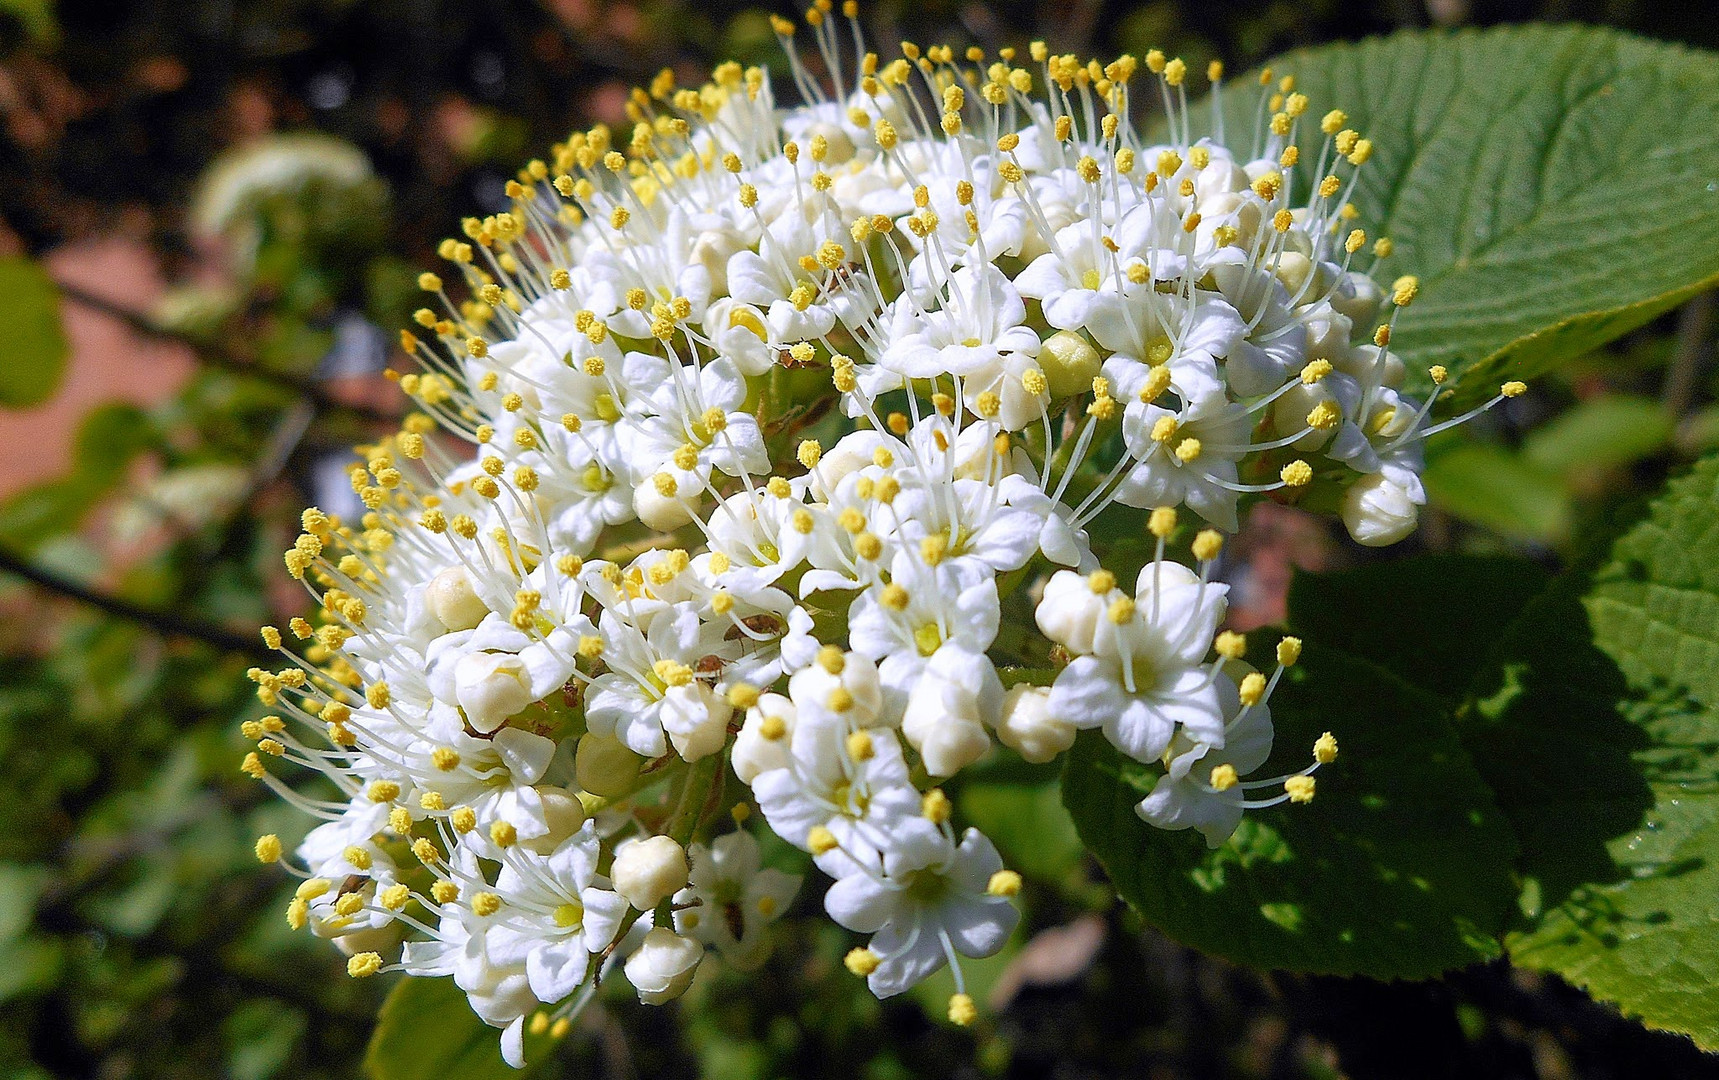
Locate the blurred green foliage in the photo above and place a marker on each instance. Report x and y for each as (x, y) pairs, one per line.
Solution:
(138, 937)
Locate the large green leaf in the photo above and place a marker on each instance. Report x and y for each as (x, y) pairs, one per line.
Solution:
(1587, 711)
(1656, 607)
(1552, 187)
(427, 1029)
(1433, 621)
(35, 341)
(1636, 923)
(1400, 868)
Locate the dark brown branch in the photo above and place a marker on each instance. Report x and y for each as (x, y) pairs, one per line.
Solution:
(217, 357)
(165, 623)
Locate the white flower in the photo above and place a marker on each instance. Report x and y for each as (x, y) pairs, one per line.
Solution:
(924, 901)
(946, 713)
(1185, 797)
(732, 899)
(1145, 680)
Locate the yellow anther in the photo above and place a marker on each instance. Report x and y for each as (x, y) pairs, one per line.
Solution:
(1121, 610)
(485, 904)
(1514, 388)
(743, 695)
(1230, 645)
(363, 965)
(1252, 688)
(962, 1011)
(935, 806)
(1296, 474)
(832, 659)
(859, 743)
(1405, 289)
(1314, 371)
(357, 856)
(463, 819)
(772, 728)
(1324, 416)
(861, 962)
(1188, 450)
(1162, 521)
(1300, 788)
(820, 840)
(1289, 651)
(1325, 749)
(268, 848)
(1224, 777)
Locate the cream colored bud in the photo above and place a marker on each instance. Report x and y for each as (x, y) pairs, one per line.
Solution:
(453, 601)
(663, 966)
(604, 766)
(649, 871)
(1069, 363)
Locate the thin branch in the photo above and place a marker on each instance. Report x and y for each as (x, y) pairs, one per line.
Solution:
(217, 357)
(165, 623)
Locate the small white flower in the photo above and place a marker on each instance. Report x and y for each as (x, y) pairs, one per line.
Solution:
(924, 901)
(732, 899)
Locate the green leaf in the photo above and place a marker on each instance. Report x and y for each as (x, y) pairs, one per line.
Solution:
(1585, 712)
(1400, 868)
(1601, 432)
(427, 1028)
(1491, 486)
(1656, 607)
(1432, 621)
(35, 341)
(1552, 186)
(1636, 927)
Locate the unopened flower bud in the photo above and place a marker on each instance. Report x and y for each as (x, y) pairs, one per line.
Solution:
(663, 966)
(604, 766)
(1028, 727)
(648, 871)
(452, 600)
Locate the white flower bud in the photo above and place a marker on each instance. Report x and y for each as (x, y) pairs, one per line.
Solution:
(1028, 727)
(604, 766)
(453, 601)
(659, 511)
(490, 687)
(1069, 363)
(1378, 512)
(946, 711)
(1070, 611)
(950, 745)
(1293, 269)
(763, 741)
(646, 871)
(663, 966)
(1359, 297)
(695, 719)
(1221, 177)
(564, 814)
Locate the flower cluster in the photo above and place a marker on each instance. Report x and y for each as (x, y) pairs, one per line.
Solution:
(790, 425)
